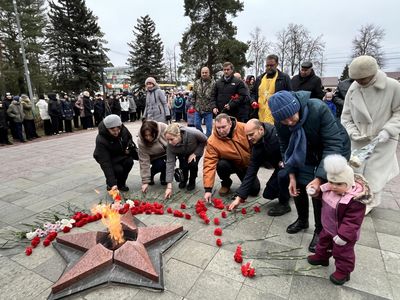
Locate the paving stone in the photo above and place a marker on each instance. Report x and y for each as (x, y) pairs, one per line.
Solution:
(15, 195)
(346, 293)
(368, 235)
(195, 253)
(385, 214)
(388, 227)
(16, 282)
(278, 227)
(319, 288)
(394, 283)
(224, 265)
(51, 269)
(180, 276)
(249, 293)
(392, 261)
(113, 291)
(364, 279)
(156, 295)
(21, 183)
(12, 213)
(389, 242)
(39, 255)
(213, 286)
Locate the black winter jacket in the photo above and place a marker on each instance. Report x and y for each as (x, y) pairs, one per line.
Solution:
(67, 110)
(310, 83)
(265, 153)
(111, 150)
(224, 89)
(340, 95)
(3, 115)
(324, 135)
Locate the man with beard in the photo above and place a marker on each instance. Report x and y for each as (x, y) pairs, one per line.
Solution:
(306, 80)
(267, 84)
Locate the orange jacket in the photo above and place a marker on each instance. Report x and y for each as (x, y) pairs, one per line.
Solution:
(236, 149)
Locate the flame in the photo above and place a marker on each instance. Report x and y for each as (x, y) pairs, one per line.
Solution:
(115, 195)
(112, 220)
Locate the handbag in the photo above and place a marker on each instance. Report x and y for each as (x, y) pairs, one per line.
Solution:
(133, 150)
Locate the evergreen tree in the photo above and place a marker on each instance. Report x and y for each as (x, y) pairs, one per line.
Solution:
(345, 73)
(75, 46)
(33, 21)
(146, 56)
(209, 41)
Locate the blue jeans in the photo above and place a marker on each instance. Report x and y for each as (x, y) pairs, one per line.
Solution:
(208, 119)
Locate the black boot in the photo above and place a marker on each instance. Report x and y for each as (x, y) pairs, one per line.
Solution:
(279, 210)
(297, 226)
(192, 184)
(314, 242)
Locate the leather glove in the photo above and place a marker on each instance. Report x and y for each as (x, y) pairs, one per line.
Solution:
(383, 136)
(339, 241)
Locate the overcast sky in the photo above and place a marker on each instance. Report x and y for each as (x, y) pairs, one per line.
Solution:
(337, 20)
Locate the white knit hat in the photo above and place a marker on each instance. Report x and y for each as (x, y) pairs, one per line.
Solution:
(151, 80)
(338, 171)
(112, 121)
(362, 67)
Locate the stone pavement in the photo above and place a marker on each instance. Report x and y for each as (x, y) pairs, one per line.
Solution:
(43, 175)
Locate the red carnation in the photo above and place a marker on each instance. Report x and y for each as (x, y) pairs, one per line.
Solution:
(79, 224)
(28, 251)
(238, 254)
(46, 242)
(244, 211)
(206, 220)
(242, 200)
(257, 209)
(117, 198)
(216, 221)
(183, 205)
(52, 235)
(136, 202)
(255, 105)
(178, 214)
(188, 217)
(223, 214)
(169, 210)
(66, 229)
(218, 231)
(218, 242)
(248, 271)
(34, 243)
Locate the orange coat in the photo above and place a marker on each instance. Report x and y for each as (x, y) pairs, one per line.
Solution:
(236, 149)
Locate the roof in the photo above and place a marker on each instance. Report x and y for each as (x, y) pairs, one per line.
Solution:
(329, 81)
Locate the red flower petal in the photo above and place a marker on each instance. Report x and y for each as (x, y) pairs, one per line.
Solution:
(46, 242)
(34, 243)
(28, 251)
(183, 205)
(169, 210)
(244, 211)
(223, 214)
(178, 213)
(188, 217)
(216, 221)
(66, 229)
(218, 242)
(207, 221)
(257, 209)
(218, 231)
(117, 198)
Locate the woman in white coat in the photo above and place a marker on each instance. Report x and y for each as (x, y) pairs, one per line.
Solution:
(372, 109)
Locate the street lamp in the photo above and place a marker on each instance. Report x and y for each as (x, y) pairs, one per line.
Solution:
(28, 78)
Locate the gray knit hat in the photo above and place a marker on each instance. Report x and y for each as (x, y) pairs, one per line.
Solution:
(283, 105)
(112, 121)
(362, 67)
(151, 80)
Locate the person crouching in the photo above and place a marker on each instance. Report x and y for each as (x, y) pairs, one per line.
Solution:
(113, 152)
(343, 208)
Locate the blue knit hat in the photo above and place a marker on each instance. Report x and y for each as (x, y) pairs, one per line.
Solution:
(16, 98)
(283, 105)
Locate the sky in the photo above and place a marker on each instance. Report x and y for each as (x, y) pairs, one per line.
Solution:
(338, 21)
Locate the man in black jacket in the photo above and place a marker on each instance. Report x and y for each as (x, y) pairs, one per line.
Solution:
(230, 95)
(272, 79)
(265, 152)
(112, 152)
(306, 80)
(340, 95)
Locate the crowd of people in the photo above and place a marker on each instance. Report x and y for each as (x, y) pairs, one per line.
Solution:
(302, 132)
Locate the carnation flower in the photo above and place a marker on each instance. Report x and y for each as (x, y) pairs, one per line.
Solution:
(218, 242)
(218, 231)
(31, 235)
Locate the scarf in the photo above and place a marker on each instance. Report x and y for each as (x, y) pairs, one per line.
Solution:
(295, 155)
(265, 91)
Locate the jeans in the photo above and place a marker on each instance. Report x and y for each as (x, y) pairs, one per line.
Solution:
(208, 119)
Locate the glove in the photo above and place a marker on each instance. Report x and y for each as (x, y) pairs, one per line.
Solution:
(358, 137)
(383, 136)
(339, 241)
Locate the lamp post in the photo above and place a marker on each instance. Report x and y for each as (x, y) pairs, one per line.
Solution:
(176, 77)
(27, 77)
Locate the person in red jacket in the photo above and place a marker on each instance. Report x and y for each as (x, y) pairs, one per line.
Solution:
(344, 198)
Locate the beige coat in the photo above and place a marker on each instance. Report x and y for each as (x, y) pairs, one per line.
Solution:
(366, 112)
(147, 153)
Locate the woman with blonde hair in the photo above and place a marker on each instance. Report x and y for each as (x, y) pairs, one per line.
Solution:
(187, 144)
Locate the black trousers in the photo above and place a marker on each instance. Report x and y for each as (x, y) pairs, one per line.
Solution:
(224, 170)
(277, 187)
(55, 123)
(68, 125)
(124, 116)
(158, 166)
(18, 131)
(301, 203)
(48, 129)
(132, 116)
(3, 135)
(187, 168)
(121, 171)
(139, 112)
(30, 129)
(87, 122)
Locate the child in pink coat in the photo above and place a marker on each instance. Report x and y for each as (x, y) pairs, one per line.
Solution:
(344, 198)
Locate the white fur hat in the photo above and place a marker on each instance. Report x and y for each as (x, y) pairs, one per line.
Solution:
(362, 67)
(337, 170)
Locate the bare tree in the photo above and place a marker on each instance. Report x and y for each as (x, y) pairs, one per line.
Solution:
(295, 45)
(170, 65)
(258, 50)
(368, 42)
